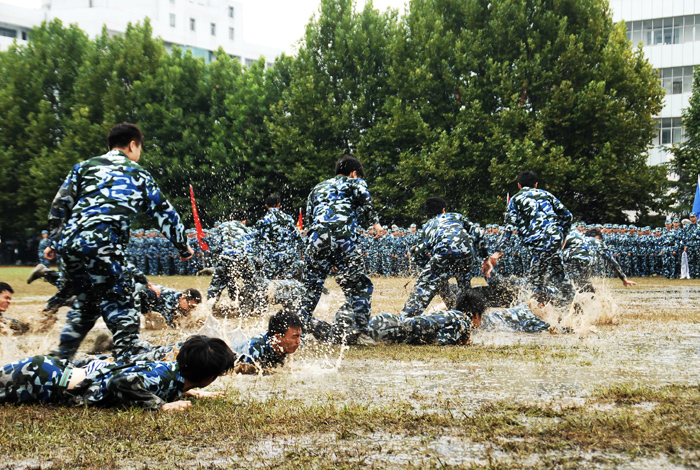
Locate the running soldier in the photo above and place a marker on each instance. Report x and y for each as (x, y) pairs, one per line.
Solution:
(451, 241)
(542, 222)
(90, 220)
(333, 210)
(280, 241)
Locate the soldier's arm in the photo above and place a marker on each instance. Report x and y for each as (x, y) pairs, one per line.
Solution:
(166, 217)
(62, 206)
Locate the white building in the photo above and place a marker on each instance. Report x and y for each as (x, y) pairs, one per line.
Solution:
(201, 26)
(668, 31)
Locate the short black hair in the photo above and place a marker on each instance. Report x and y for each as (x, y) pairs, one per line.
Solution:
(122, 134)
(202, 357)
(281, 321)
(193, 294)
(434, 206)
(4, 286)
(239, 214)
(528, 178)
(347, 164)
(272, 200)
(471, 302)
(594, 232)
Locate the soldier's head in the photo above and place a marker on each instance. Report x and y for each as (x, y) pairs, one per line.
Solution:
(128, 138)
(434, 206)
(471, 302)
(594, 232)
(527, 178)
(350, 166)
(693, 217)
(676, 223)
(284, 331)
(189, 300)
(272, 201)
(5, 296)
(202, 359)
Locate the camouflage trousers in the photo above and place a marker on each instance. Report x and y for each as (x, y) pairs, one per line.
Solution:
(104, 285)
(353, 317)
(280, 264)
(446, 327)
(34, 379)
(434, 278)
(547, 269)
(580, 273)
(236, 273)
(519, 318)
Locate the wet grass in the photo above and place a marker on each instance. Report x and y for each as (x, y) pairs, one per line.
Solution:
(229, 431)
(633, 422)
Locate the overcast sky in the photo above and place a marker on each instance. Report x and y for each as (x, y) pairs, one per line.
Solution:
(274, 23)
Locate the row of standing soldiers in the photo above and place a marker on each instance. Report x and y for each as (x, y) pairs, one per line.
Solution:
(640, 251)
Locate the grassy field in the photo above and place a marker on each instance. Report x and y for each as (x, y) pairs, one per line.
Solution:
(626, 396)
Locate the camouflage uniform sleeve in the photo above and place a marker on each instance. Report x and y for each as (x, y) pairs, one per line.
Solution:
(565, 217)
(478, 240)
(166, 217)
(365, 205)
(129, 388)
(62, 206)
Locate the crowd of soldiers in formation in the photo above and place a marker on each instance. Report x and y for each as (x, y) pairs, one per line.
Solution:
(640, 251)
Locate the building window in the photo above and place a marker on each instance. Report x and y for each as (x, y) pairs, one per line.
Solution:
(172, 2)
(230, 12)
(172, 19)
(677, 80)
(230, 34)
(235, 57)
(25, 36)
(249, 62)
(670, 131)
(213, 29)
(191, 24)
(8, 33)
(663, 30)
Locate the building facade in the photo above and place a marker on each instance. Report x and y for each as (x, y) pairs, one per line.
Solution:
(669, 31)
(201, 26)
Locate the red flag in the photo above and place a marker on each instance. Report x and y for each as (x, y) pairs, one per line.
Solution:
(300, 222)
(198, 225)
(507, 199)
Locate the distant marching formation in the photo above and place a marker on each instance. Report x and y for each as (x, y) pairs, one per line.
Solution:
(640, 251)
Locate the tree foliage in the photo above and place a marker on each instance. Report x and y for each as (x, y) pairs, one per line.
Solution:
(453, 99)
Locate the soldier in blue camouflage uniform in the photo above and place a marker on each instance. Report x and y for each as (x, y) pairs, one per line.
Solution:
(141, 262)
(90, 219)
(149, 385)
(44, 243)
(235, 268)
(691, 244)
(543, 222)
(333, 210)
(669, 250)
(452, 242)
(580, 253)
(279, 241)
(273, 348)
(170, 303)
(445, 327)
(518, 318)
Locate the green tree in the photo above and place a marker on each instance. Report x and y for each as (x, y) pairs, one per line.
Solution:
(36, 97)
(337, 90)
(685, 164)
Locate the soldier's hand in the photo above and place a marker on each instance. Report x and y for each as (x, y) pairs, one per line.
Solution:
(50, 253)
(176, 405)
(245, 368)
(190, 251)
(154, 288)
(628, 283)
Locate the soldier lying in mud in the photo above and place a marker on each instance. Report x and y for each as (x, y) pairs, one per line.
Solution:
(151, 385)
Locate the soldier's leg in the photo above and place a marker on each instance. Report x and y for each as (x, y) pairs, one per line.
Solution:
(122, 318)
(317, 269)
(426, 285)
(34, 379)
(357, 288)
(388, 327)
(557, 277)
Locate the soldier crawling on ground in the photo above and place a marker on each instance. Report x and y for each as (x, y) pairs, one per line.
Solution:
(273, 348)
(151, 385)
(17, 327)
